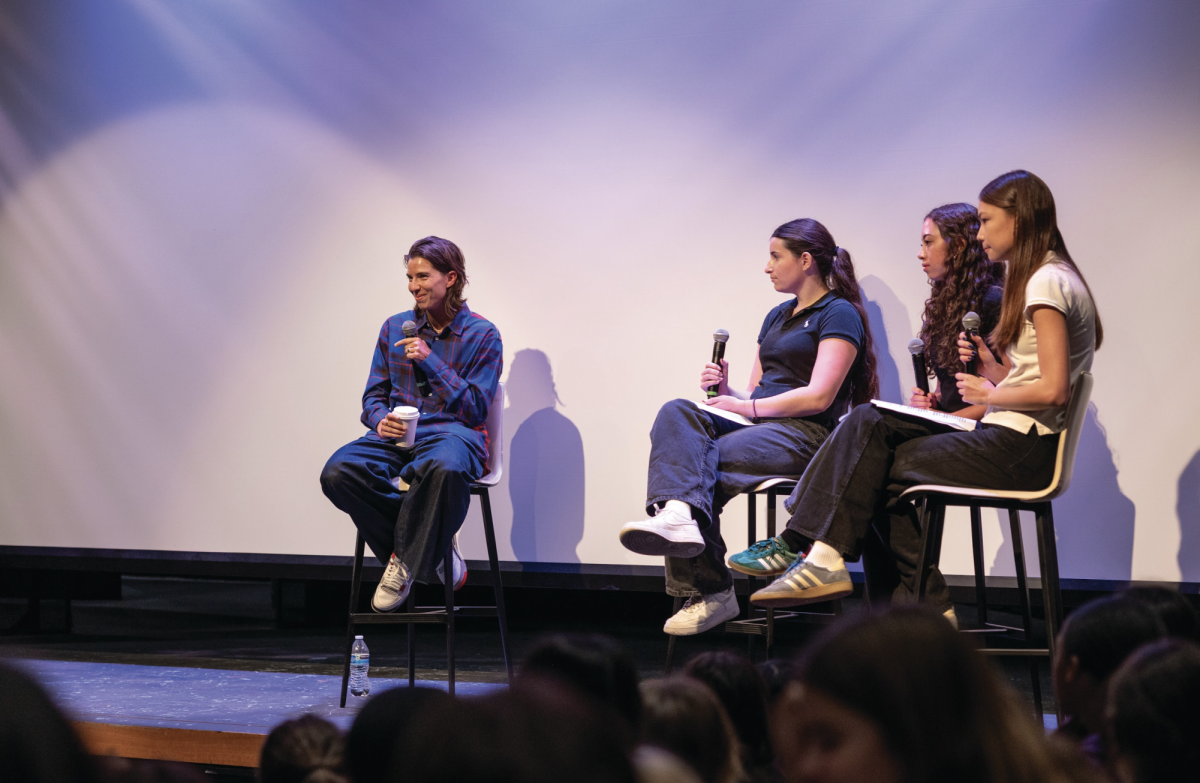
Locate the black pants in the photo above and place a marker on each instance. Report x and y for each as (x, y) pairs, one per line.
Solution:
(418, 524)
(704, 460)
(850, 495)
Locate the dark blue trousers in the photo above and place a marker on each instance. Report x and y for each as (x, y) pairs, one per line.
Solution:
(704, 460)
(416, 525)
(849, 497)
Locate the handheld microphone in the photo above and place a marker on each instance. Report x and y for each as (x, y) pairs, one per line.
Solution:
(720, 337)
(410, 330)
(970, 324)
(916, 347)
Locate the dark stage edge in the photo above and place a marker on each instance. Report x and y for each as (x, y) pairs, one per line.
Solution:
(574, 576)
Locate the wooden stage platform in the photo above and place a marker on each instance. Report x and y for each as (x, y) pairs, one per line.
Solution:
(196, 716)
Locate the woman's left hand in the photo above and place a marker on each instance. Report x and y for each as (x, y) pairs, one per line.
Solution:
(974, 389)
(731, 404)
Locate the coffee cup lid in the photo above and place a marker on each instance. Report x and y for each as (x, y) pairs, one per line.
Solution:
(405, 410)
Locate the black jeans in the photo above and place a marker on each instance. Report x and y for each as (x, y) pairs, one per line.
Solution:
(704, 460)
(416, 525)
(850, 495)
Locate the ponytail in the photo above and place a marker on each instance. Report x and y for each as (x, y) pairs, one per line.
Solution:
(864, 377)
(808, 236)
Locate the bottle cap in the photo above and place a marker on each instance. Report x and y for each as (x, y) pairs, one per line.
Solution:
(357, 637)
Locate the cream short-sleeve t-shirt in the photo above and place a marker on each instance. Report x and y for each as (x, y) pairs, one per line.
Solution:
(1055, 285)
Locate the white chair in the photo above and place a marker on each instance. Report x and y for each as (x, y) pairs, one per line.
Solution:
(932, 501)
(413, 614)
(756, 624)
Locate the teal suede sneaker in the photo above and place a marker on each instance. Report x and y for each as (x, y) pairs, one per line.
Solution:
(804, 583)
(766, 558)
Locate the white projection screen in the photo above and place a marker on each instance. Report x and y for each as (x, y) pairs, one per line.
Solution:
(204, 207)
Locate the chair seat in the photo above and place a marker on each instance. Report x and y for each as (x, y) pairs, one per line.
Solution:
(778, 481)
(490, 480)
(974, 492)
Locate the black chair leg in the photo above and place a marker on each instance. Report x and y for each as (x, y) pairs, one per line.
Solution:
(409, 605)
(977, 555)
(355, 578)
(489, 534)
(449, 580)
(671, 638)
(1018, 544)
(1051, 587)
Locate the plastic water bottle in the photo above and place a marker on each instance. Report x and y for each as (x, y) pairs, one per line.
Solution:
(360, 664)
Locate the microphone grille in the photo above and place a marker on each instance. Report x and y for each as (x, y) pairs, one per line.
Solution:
(409, 328)
(916, 346)
(971, 320)
(721, 336)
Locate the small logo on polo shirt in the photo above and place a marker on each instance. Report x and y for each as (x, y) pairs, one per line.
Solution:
(805, 324)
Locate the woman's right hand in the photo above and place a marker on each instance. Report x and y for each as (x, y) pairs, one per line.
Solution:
(712, 375)
(986, 365)
(920, 399)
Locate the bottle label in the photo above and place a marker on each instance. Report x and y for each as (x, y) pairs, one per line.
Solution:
(359, 658)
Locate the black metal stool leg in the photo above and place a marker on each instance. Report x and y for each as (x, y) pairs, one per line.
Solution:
(409, 605)
(1018, 544)
(1051, 588)
(355, 577)
(449, 580)
(977, 556)
(489, 534)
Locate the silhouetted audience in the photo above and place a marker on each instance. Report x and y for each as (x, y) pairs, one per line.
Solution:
(740, 688)
(685, 717)
(1172, 608)
(902, 696)
(380, 727)
(1153, 715)
(776, 674)
(594, 665)
(308, 749)
(1094, 641)
(37, 743)
(538, 731)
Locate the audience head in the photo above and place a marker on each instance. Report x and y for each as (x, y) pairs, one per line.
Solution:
(965, 279)
(1172, 608)
(308, 749)
(685, 717)
(1095, 639)
(1023, 235)
(593, 665)
(538, 731)
(902, 696)
(37, 743)
(379, 727)
(837, 270)
(1153, 715)
(741, 691)
(776, 673)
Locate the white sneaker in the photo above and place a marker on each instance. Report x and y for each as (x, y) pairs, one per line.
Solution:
(458, 565)
(701, 613)
(393, 588)
(668, 534)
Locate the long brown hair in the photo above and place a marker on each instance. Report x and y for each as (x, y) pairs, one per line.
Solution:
(968, 277)
(808, 236)
(1031, 204)
(444, 256)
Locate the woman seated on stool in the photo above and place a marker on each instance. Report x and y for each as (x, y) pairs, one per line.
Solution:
(814, 357)
(963, 279)
(1048, 331)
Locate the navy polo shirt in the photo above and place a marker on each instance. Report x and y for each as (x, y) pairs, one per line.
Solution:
(787, 349)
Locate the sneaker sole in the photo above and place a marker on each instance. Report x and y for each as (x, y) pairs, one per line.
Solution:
(810, 596)
(643, 542)
(442, 578)
(708, 626)
(741, 569)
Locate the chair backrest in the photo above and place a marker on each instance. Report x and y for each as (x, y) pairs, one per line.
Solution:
(495, 432)
(1068, 441)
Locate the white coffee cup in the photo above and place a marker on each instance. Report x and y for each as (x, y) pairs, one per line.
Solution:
(410, 415)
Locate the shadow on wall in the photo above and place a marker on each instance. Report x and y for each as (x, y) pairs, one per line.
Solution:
(545, 464)
(1188, 508)
(884, 308)
(1094, 520)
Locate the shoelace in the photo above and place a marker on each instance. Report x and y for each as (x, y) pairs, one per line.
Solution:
(762, 547)
(393, 578)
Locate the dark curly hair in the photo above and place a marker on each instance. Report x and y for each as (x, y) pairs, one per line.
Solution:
(969, 275)
(808, 236)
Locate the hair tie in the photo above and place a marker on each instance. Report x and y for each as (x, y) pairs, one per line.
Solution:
(836, 250)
